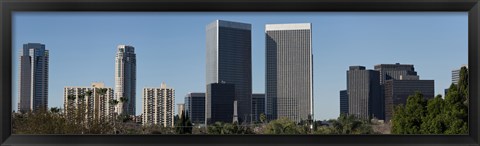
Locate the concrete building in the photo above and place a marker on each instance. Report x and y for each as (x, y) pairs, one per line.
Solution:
(363, 87)
(97, 105)
(220, 99)
(181, 109)
(229, 59)
(343, 102)
(158, 106)
(397, 92)
(125, 79)
(195, 107)
(289, 71)
(258, 106)
(33, 78)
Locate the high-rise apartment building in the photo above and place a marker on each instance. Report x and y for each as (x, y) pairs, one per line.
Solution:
(363, 87)
(95, 101)
(229, 49)
(158, 106)
(289, 71)
(195, 107)
(397, 92)
(220, 103)
(343, 102)
(33, 79)
(125, 79)
(258, 106)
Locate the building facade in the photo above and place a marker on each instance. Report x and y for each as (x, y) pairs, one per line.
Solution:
(95, 100)
(343, 102)
(397, 92)
(220, 103)
(158, 106)
(363, 87)
(258, 106)
(395, 71)
(125, 79)
(456, 74)
(33, 79)
(181, 109)
(289, 71)
(228, 59)
(195, 107)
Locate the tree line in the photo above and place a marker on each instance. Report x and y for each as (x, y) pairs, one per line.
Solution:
(439, 115)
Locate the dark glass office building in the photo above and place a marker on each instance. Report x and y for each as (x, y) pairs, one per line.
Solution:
(397, 92)
(33, 79)
(195, 107)
(220, 102)
(395, 71)
(229, 59)
(343, 102)
(258, 106)
(363, 87)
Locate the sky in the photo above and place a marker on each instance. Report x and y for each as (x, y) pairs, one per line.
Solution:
(170, 47)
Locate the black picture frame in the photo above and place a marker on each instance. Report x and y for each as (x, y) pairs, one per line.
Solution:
(8, 7)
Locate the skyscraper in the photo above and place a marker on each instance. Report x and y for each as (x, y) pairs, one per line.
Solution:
(158, 106)
(343, 102)
(229, 59)
(363, 87)
(220, 103)
(96, 105)
(397, 92)
(289, 78)
(195, 107)
(125, 79)
(258, 106)
(33, 86)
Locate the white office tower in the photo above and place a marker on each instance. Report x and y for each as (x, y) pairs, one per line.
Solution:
(289, 78)
(125, 79)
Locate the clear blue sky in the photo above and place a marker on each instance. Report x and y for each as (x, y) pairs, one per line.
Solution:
(170, 47)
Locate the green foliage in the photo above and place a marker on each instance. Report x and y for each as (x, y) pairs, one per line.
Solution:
(54, 122)
(263, 118)
(228, 128)
(348, 125)
(283, 125)
(437, 115)
(184, 125)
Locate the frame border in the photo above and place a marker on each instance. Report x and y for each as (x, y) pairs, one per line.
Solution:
(7, 7)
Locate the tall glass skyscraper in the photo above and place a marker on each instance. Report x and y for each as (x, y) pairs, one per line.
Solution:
(125, 79)
(33, 90)
(229, 59)
(289, 78)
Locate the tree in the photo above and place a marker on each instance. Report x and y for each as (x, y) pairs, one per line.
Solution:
(263, 118)
(123, 100)
(435, 116)
(408, 119)
(349, 124)
(433, 121)
(283, 125)
(184, 126)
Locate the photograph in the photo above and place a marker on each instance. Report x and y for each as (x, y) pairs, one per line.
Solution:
(240, 73)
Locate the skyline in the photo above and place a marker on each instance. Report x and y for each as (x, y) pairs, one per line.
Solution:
(329, 78)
